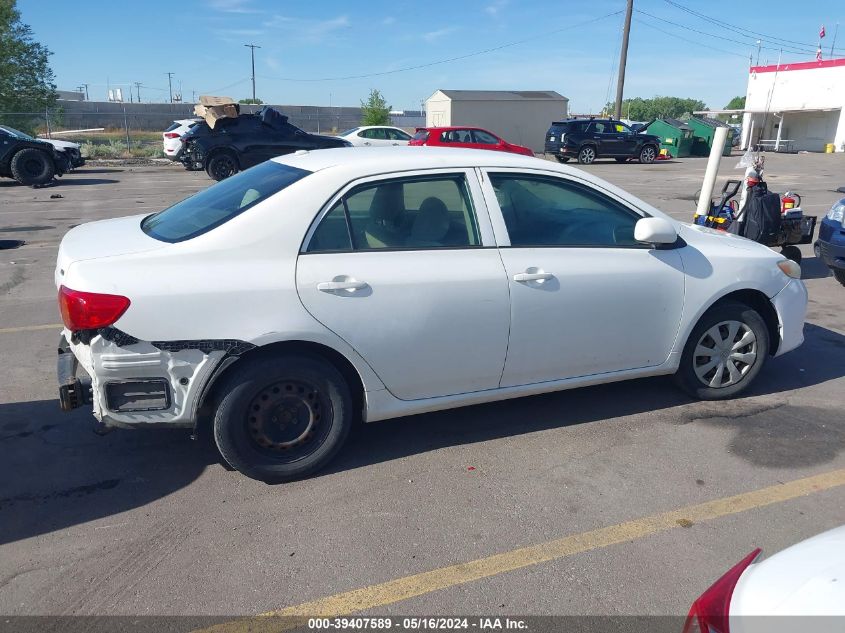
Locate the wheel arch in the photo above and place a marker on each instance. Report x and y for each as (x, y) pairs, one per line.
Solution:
(753, 298)
(211, 391)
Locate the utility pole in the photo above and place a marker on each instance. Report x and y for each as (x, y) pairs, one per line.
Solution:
(170, 85)
(252, 48)
(86, 91)
(623, 60)
(138, 88)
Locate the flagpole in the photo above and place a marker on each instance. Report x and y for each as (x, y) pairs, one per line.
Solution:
(835, 31)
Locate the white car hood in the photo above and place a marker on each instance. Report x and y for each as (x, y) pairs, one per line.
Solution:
(60, 145)
(805, 579)
(105, 238)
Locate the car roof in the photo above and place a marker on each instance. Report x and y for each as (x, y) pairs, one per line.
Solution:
(453, 127)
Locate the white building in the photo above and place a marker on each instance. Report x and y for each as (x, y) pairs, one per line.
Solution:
(518, 116)
(798, 106)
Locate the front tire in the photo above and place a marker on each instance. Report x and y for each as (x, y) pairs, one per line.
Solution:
(792, 252)
(587, 155)
(282, 418)
(648, 154)
(221, 165)
(31, 166)
(839, 275)
(724, 353)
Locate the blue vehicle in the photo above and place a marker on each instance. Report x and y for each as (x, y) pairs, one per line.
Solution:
(830, 247)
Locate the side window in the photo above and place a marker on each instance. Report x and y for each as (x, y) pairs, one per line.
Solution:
(398, 135)
(480, 136)
(553, 212)
(597, 127)
(411, 213)
(379, 133)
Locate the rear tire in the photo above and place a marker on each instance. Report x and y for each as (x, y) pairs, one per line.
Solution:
(724, 353)
(587, 155)
(282, 418)
(221, 165)
(648, 154)
(839, 275)
(792, 252)
(32, 166)
(562, 159)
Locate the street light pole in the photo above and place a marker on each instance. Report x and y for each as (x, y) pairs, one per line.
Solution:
(252, 48)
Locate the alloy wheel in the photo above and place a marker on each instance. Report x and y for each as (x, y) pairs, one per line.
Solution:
(647, 155)
(725, 353)
(587, 155)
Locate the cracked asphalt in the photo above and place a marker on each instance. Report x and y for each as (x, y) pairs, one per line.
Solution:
(152, 523)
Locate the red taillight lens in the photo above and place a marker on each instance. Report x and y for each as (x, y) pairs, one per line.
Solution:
(171, 135)
(90, 310)
(710, 612)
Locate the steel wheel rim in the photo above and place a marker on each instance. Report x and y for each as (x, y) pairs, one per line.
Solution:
(588, 155)
(289, 419)
(648, 154)
(32, 167)
(725, 354)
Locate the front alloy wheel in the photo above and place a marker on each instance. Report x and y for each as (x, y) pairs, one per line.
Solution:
(648, 154)
(587, 155)
(221, 166)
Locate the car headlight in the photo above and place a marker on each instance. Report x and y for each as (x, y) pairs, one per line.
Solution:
(837, 212)
(790, 268)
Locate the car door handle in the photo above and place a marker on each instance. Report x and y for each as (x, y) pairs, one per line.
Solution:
(333, 286)
(539, 276)
(366, 142)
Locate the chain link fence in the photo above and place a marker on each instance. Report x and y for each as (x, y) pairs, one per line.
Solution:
(114, 130)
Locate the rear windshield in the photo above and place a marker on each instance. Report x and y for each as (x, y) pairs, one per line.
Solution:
(221, 202)
(348, 132)
(173, 126)
(421, 135)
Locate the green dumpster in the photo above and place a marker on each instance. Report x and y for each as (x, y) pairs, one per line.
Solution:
(675, 136)
(703, 131)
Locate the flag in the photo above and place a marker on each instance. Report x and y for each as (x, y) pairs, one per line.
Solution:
(821, 32)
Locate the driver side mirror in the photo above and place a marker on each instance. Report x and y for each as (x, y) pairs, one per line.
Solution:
(655, 231)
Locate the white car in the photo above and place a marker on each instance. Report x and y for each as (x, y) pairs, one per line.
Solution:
(376, 136)
(321, 286)
(172, 137)
(797, 589)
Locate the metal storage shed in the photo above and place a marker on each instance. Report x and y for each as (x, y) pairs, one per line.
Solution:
(675, 136)
(518, 116)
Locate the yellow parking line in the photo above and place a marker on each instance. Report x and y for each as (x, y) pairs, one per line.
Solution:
(386, 593)
(31, 328)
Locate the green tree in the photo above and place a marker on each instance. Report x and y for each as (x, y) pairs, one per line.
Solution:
(639, 109)
(251, 101)
(26, 80)
(375, 111)
(737, 103)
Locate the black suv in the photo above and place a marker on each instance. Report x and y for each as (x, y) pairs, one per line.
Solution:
(588, 139)
(240, 142)
(28, 160)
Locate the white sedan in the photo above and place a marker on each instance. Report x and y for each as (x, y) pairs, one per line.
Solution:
(798, 589)
(172, 137)
(324, 286)
(376, 136)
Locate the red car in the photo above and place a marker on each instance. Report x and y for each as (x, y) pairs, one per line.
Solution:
(472, 137)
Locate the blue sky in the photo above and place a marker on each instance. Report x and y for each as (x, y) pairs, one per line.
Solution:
(201, 42)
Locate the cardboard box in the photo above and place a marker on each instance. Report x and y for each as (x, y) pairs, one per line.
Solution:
(212, 109)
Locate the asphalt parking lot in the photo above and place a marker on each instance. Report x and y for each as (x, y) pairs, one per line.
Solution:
(611, 500)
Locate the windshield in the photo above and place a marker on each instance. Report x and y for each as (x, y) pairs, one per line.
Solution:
(14, 132)
(219, 203)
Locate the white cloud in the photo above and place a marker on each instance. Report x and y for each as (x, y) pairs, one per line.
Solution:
(433, 36)
(307, 29)
(494, 7)
(234, 6)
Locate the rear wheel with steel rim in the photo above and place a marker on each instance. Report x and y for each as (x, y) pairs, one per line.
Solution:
(282, 418)
(724, 353)
(648, 154)
(587, 155)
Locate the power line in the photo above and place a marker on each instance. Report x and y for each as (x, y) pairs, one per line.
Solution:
(722, 37)
(686, 39)
(449, 59)
(777, 41)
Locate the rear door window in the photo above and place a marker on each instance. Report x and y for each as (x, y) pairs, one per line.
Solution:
(221, 202)
(484, 138)
(421, 135)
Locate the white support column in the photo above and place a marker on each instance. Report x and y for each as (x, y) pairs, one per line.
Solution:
(747, 130)
(712, 171)
(780, 131)
(839, 137)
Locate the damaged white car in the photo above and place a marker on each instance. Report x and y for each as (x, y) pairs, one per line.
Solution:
(317, 288)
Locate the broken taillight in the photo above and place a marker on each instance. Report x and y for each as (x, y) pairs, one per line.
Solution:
(90, 310)
(712, 609)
